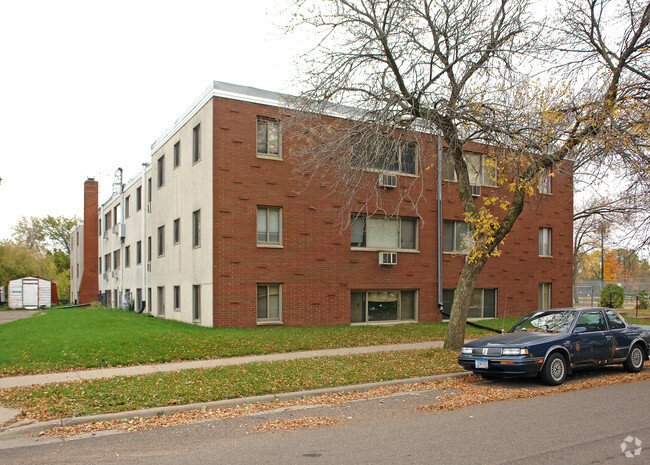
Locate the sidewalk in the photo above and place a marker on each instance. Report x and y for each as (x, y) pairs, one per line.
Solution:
(7, 415)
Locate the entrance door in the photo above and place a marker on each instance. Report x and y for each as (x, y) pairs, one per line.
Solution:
(30, 293)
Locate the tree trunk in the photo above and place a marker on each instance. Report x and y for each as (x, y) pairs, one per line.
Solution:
(462, 298)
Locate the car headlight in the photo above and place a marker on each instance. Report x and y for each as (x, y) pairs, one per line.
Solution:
(466, 350)
(510, 351)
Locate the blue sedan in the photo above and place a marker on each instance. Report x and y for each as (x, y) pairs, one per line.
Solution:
(551, 343)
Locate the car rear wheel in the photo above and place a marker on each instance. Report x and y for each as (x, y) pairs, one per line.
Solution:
(634, 361)
(554, 370)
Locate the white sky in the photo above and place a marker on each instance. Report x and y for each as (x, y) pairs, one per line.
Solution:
(86, 86)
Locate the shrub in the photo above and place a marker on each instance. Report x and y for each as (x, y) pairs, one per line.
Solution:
(643, 300)
(611, 296)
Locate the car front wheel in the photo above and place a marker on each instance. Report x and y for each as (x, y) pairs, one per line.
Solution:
(634, 361)
(554, 371)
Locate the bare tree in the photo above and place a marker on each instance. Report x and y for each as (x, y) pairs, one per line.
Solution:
(468, 70)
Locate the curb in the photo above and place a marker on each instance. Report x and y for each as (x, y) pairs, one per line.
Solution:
(9, 432)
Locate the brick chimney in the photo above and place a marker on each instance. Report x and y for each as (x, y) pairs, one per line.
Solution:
(89, 286)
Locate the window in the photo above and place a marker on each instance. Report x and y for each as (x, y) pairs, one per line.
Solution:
(161, 241)
(544, 186)
(77, 238)
(545, 242)
(177, 298)
(615, 321)
(196, 143)
(196, 228)
(100, 264)
(161, 301)
(268, 302)
(107, 262)
(196, 302)
(268, 138)
(149, 190)
(149, 248)
(117, 214)
(544, 297)
(379, 232)
(138, 199)
(177, 154)
(161, 171)
(456, 237)
(107, 221)
(482, 169)
(369, 306)
(482, 305)
(127, 256)
(177, 230)
(116, 259)
(127, 206)
(269, 225)
(99, 224)
(592, 321)
(138, 253)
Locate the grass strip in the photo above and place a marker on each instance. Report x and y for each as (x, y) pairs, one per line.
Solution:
(80, 338)
(195, 386)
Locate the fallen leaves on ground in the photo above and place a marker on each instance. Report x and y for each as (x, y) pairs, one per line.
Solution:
(298, 423)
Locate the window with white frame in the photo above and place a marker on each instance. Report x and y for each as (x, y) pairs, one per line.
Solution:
(544, 297)
(177, 298)
(161, 241)
(196, 302)
(544, 184)
(161, 171)
(456, 237)
(268, 138)
(161, 301)
(269, 305)
(482, 305)
(482, 169)
(545, 242)
(381, 232)
(177, 154)
(383, 305)
(269, 225)
(196, 143)
(196, 229)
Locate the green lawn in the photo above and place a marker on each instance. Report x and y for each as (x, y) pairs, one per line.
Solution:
(194, 386)
(66, 339)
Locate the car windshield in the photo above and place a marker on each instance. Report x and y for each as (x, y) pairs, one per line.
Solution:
(547, 322)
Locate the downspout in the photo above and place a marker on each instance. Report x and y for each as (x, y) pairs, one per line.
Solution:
(439, 198)
(143, 234)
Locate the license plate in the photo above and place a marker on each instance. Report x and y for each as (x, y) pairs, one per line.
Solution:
(480, 363)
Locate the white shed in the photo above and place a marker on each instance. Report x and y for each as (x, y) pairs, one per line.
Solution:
(29, 293)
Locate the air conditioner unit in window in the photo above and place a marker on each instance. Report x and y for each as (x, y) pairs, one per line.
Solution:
(116, 228)
(387, 180)
(388, 258)
(476, 191)
(122, 231)
(116, 274)
(105, 235)
(148, 207)
(148, 266)
(105, 276)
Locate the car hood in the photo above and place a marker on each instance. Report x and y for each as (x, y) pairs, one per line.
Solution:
(515, 339)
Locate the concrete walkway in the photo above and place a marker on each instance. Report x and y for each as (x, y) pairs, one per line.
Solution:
(13, 315)
(7, 414)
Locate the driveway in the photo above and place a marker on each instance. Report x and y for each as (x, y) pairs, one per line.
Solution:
(12, 315)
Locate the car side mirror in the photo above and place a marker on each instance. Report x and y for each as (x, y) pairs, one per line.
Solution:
(579, 329)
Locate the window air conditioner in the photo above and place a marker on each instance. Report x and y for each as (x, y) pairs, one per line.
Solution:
(476, 191)
(105, 234)
(116, 274)
(116, 228)
(148, 207)
(105, 276)
(148, 266)
(122, 231)
(388, 258)
(387, 180)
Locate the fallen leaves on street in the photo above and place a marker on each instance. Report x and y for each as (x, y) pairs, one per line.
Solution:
(298, 423)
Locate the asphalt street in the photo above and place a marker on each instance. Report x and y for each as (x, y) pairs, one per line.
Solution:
(582, 427)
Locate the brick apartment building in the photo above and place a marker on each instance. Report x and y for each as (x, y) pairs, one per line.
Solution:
(219, 231)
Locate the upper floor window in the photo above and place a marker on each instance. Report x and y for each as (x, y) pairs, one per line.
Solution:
(138, 199)
(161, 241)
(544, 185)
(545, 242)
(196, 228)
(127, 206)
(398, 157)
(268, 138)
(177, 230)
(381, 232)
(269, 225)
(196, 143)
(456, 237)
(177, 154)
(161, 171)
(482, 169)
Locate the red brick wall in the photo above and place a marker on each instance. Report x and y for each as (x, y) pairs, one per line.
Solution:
(317, 268)
(89, 288)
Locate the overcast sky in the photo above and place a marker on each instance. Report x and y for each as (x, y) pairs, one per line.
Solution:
(86, 87)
